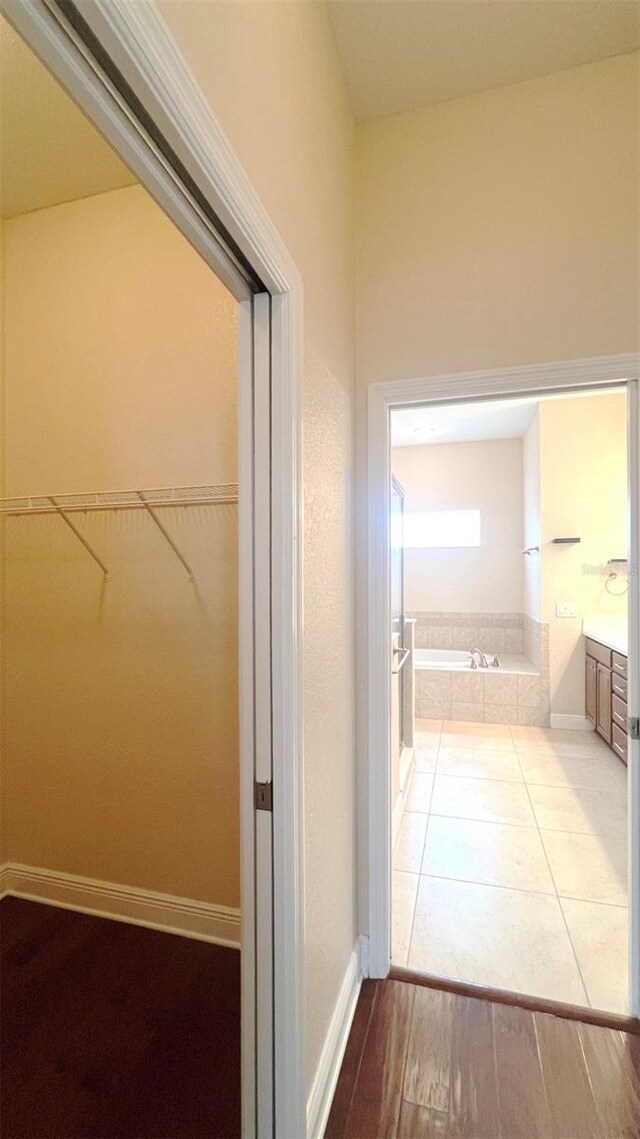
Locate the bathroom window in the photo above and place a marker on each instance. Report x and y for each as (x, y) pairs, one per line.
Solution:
(440, 529)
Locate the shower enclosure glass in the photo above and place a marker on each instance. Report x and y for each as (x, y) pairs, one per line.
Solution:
(399, 652)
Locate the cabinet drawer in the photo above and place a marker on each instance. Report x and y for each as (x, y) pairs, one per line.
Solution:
(619, 713)
(619, 742)
(619, 686)
(599, 652)
(619, 664)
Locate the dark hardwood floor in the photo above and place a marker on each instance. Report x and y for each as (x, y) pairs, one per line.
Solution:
(111, 1030)
(425, 1064)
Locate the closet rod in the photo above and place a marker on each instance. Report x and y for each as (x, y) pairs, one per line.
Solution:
(221, 495)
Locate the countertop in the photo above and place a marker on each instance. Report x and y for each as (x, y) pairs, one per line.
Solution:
(611, 634)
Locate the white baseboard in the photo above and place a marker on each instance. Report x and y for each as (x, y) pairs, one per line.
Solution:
(562, 722)
(328, 1070)
(190, 918)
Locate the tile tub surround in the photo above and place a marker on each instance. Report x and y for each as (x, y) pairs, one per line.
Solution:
(510, 865)
(514, 693)
(491, 632)
(522, 645)
(536, 644)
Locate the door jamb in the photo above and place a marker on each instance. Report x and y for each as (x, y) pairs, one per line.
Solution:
(375, 875)
(136, 38)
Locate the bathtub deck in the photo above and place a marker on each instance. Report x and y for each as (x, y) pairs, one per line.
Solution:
(511, 663)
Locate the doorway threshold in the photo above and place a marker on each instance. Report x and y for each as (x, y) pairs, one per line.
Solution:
(619, 1021)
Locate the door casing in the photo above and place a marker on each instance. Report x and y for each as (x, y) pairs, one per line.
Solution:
(227, 224)
(374, 871)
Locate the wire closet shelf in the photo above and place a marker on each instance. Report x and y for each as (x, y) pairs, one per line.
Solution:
(148, 500)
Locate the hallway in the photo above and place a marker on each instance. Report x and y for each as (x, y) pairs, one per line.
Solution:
(421, 1064)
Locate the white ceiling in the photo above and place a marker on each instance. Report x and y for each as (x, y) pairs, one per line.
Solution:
(402, 54)
(51, 153)
(470, 422)
(462, 423)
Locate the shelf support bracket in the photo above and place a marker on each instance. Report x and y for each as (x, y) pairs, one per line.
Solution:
(166, 535)
(74, 529)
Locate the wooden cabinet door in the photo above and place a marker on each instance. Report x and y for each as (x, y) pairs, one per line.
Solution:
(603, 721)
(591, 686)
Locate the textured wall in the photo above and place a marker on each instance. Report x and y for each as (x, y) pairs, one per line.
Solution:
(501, 228)
(532, 521)
(494, 230)
(271, 74)
(583, 464)
(485, 476)
(121, 697)
(3, 826)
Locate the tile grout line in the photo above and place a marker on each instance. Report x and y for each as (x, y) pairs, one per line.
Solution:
(426, 832)
(520, 826)
(564, 917)
(444, 741)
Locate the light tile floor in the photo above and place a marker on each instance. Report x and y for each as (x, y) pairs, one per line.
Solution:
(510, 862)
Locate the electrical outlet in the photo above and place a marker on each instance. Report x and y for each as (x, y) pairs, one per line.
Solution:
(565, 609)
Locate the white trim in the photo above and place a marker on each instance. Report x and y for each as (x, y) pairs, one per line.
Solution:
(185, 916)
(375, 875)
(287, 713)
(262, 717)
(328, 1070)
(138, 41)
(401, 797)
(562, 721)
(363, 954)
(378, 870)
(633, 696)
(528, 379)
(246, 716)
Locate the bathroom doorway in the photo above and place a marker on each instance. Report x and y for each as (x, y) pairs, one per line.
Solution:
(509, 859)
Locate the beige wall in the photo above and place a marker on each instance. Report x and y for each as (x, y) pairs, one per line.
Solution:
(271, 74)
(494, 230)
(501, 228)
(532, 591)
(486, 476)
(121, 698)
(583, 463)
(3, 826)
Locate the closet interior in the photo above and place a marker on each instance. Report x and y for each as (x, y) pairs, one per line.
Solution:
(119, 552)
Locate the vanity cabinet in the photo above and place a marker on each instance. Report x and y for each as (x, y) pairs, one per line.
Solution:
(603, 708)
(606, 694)
(591, 690)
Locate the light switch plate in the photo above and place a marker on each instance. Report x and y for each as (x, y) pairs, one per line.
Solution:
(566, 609)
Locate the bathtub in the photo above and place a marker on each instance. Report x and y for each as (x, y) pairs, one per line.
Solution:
(490, 695)
(442, 659)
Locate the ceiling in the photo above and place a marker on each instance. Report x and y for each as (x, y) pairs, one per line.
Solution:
(471, 422)
(462, 423)
(51, 153)
(402, 54)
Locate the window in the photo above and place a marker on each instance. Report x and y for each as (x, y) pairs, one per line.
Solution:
(439, 529)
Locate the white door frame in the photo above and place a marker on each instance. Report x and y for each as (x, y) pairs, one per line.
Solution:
(572, 375)
(136, 41)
